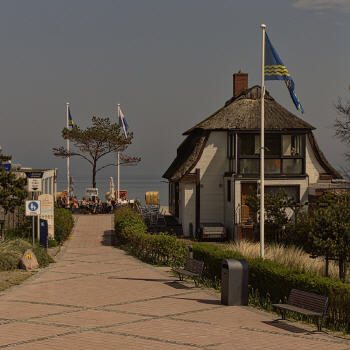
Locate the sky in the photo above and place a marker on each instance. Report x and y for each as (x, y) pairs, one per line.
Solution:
(168, 63)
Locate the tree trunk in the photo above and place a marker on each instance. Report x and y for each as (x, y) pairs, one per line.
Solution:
(327, 267)
(342, 269)
(94, 175)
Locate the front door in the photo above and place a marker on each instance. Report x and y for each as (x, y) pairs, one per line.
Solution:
(247, 189)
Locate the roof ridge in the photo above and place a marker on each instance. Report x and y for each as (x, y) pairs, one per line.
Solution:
(243, 112)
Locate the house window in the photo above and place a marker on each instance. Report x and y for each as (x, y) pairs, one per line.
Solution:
(249, 166)
(292, 166)
(229, 190)
(272, 166)
(292, 145)
(292, 191)
(230, 145)
(250, 144)
(284, 154)
(272, 145)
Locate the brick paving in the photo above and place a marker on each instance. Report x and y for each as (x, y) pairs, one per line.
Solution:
(98, 297)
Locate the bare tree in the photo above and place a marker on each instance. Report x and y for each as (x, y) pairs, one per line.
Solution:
(342, 124)
(95, 142)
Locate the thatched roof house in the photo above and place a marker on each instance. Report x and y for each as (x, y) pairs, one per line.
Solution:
(220, 154)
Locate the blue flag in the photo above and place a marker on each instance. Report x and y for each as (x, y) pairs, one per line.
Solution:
(70, 120)
(122, 123)
(276, 70)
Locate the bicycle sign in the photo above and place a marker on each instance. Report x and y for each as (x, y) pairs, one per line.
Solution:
(32, 208)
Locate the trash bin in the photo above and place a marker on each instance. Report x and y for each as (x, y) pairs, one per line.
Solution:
(234, 282)
(43, 233)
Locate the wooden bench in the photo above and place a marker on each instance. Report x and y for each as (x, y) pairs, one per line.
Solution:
(193, 268)
(305, 303)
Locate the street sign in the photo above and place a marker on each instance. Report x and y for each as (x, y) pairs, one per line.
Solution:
(32, 208)
(34, 174)
(35, 184)
(91, 192)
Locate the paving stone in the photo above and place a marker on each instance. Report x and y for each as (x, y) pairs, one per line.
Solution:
(98, 297)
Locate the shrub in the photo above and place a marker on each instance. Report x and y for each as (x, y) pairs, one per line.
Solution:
(51, 243)
(127, 223)
(161, 248)
(43, 258)
(63, 224)
(11, 252)
(291, 256)
(8, 261)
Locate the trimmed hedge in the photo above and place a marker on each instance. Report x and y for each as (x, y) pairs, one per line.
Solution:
(270, 282)
(63, 224)
(131, 231)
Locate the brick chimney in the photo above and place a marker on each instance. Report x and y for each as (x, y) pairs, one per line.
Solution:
(240, 83)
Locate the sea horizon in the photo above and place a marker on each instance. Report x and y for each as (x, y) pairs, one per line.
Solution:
(136, 187)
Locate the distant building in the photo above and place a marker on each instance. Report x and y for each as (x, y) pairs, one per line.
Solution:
(217, 165)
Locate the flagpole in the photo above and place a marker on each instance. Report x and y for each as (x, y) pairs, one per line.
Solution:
(262, 147)
(68, 158)
(118, 164)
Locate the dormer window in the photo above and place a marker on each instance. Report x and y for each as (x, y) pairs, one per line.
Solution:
(284, 154)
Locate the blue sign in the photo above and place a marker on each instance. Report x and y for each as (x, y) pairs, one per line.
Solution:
(6, 166)
(34, 174)
(33, 206)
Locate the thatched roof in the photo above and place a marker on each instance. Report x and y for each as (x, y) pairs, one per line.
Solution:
(321, 158)
(243, 112)
(240, 113)
(188, 154)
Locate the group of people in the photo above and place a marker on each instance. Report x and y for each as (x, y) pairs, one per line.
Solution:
(91, 205)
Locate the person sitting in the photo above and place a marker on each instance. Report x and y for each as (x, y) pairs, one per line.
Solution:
(109, 208)
(84, 204)
(75, 203)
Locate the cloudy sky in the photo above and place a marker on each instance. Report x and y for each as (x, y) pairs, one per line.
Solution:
(168, 63)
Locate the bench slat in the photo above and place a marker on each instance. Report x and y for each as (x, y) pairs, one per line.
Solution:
(193, 268)
(305, 303)
(297, 309)
(308, 301)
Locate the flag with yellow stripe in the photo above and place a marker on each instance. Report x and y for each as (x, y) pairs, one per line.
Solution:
(275, 70)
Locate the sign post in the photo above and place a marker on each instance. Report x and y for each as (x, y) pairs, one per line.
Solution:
(35, 184)
(33, 209)
(91, 192)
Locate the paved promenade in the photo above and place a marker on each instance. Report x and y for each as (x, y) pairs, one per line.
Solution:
(98, 297)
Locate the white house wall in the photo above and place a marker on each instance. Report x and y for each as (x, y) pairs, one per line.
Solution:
(213, 164)
(187, 207)
(313, 167)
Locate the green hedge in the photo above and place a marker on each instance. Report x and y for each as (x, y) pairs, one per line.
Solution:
(269, 282)
(131, 231)
(63, 224)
